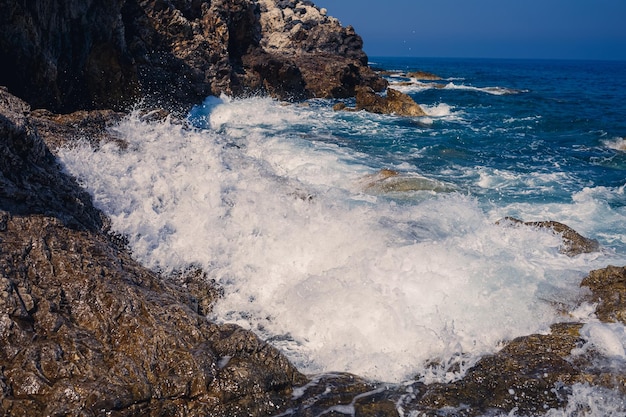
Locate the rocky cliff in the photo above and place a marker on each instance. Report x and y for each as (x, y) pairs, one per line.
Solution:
(72, 55)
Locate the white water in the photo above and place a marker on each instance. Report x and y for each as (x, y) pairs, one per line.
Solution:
(336, 277)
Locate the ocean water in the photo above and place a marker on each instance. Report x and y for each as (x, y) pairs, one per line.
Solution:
(369, 243)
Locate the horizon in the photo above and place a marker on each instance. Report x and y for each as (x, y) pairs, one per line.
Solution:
(488, 29)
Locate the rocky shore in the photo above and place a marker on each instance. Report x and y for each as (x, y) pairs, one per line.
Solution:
(87, 331)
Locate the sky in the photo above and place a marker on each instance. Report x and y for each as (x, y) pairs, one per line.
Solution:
(521, 29)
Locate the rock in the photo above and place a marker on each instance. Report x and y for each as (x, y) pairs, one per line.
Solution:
(395, 102)
(608, 286)
(339, 106)
(85, 329)
(422, 75)
(31, 182)
(573, 243)
(174, 53)
(388, 181)
(67, 57)
(523, 376)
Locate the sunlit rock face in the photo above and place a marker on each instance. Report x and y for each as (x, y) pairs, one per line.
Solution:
(110, 54)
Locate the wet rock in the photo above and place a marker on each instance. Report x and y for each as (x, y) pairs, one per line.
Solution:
(390, 181)
(57, 130)
(530, 375)
(86, 330)
(339, 394)
(395, 102)
(608, 287)
(573, 243)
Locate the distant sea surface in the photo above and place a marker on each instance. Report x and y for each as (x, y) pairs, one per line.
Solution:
(369, 243)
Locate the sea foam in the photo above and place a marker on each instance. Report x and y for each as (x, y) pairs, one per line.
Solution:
(270, 204)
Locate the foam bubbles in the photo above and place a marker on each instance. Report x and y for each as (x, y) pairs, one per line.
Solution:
(338, 278)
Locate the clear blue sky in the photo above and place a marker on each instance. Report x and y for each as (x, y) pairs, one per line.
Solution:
(559, 29)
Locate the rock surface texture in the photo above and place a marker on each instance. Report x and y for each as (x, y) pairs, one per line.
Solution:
(80, 55)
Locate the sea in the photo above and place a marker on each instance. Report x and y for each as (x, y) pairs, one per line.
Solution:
(377, 244)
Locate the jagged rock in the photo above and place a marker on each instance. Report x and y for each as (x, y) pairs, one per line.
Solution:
(67, 56)
(30, 179)
(573, 243)
(608, 286)
(174, 53)
(395, 102)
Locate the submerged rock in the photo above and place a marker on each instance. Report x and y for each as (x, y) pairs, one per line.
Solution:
(388, 181)
(573, 242)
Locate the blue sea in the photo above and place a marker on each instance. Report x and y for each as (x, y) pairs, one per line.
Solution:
(370, 243)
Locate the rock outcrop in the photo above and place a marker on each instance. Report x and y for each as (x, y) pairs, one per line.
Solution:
(394, 102)
(87, 55)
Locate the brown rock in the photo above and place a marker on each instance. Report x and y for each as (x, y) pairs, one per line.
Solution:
(422, 75)
(608, 287)
(530, 374)
(395, 102)
(573, 243)
(84, 329)
(174, 53)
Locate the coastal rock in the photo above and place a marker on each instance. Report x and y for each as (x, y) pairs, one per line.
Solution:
(423, 75)
(67, 56)
(530, 374)
(395, 102)
(608, 286)
(175, 53)
(86, 329)
(390, 181)
(573, 242)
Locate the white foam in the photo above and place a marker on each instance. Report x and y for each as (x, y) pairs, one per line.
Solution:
(497, 91)
(608, 338)
(338, 279)
(618, 144)
(416, 86)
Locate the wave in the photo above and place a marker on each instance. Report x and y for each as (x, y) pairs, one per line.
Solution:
(415, 86)
(275, 208)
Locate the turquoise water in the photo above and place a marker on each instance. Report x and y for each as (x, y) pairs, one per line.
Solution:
(291, 209)
(551, 125)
